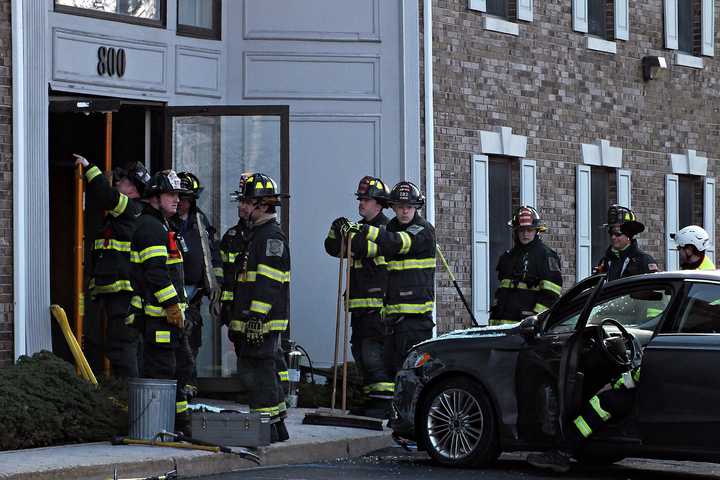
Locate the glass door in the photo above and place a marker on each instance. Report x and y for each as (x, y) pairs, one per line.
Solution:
(217, 144)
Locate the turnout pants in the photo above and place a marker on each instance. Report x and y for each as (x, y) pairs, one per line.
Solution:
(258, 373)
(368, 348)
(614, 403)
(122, 342)
(402, 334)
(167, 356)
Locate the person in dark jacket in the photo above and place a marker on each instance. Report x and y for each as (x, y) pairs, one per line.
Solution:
(529, 273)
(623, 257)
(368, 282)
(408, 245)
(203, 270)
(157, 309)
(260, 302)
(110, 283)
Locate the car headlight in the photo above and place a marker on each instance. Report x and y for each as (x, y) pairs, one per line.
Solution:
(415, 359)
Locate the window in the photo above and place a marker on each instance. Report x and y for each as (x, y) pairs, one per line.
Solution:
(604, 21)
(689, 26)
(500, 211)
(500, 8)
(690, 29)
(600, 19)
(199, 18)
(690, 200)
(701, 311)
(599, 202)
(502, 14)
(144, 12)
(641, 309)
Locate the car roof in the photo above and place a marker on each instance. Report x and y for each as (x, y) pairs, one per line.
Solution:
(711, 275)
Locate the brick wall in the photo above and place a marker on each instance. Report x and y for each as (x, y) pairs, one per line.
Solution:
(6, 214)
(546, 85)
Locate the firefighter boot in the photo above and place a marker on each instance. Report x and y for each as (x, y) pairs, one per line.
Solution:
(183, 423)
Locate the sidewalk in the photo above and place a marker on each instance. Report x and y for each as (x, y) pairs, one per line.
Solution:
(307, 443)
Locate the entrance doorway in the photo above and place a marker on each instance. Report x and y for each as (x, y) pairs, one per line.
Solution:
(110, 133)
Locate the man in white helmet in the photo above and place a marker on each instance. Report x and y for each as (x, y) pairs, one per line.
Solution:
(692, 241)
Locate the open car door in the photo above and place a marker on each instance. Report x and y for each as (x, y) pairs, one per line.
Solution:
(570, 381)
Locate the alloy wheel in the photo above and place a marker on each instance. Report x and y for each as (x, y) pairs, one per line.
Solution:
(455, 424)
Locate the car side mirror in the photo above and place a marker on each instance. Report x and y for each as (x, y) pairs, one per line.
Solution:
(531, 324)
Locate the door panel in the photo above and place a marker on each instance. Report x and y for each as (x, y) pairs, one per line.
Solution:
(679, 389)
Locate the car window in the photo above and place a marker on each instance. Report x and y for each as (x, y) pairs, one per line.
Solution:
(637, 309)
(701, 310)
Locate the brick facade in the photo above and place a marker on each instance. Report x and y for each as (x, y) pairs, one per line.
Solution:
(546, 85)
(6, 213)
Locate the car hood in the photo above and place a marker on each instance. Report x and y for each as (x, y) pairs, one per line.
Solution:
(486, 332)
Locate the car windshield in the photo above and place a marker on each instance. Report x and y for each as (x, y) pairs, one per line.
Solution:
(640, 309)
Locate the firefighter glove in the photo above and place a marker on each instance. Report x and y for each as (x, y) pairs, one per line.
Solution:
(337, 224)
(175, 316)
(350, 227)
(254, 334)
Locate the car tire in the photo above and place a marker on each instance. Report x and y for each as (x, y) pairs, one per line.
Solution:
(457, 424)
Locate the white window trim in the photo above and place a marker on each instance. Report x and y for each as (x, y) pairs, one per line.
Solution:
(480, 240)
(671, 221)
(624, 188)
(503, 142)
(709, 214)
(602, 154)
(601, 45)
(689, 163)
(528, 182)
(500, 25)
(583, 253)
(687, 60)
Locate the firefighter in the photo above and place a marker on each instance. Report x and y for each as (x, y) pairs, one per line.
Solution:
(200, 279)
(692, 241)
(408, 246)
(259, 308)
(614, 401)
(368, 281)
(623, 257)
(529, 273)
(110, 282)
(157, 309)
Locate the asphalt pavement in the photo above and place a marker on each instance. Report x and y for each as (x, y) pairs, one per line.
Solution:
(394, 463)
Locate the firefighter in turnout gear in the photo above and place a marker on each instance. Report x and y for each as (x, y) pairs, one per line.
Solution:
(110, 283)
(529, 274)
(157, 309)
(692, 241)
(623, 257)
(368, 282)
(202, 269)
(259, 308)
(408, 246)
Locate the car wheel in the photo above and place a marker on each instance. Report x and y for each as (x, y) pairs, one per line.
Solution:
(458, 425)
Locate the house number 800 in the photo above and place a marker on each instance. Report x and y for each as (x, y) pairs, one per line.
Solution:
(111, 61)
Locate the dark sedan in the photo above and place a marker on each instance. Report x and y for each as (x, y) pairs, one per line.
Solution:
(469, 395)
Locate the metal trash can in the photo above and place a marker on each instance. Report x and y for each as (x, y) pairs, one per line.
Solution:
(151, 407)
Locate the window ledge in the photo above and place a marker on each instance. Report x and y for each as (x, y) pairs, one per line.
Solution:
(600, 45)
(502, 26)
(685, 60)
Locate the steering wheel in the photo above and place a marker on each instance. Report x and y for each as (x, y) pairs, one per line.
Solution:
(604, 338)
